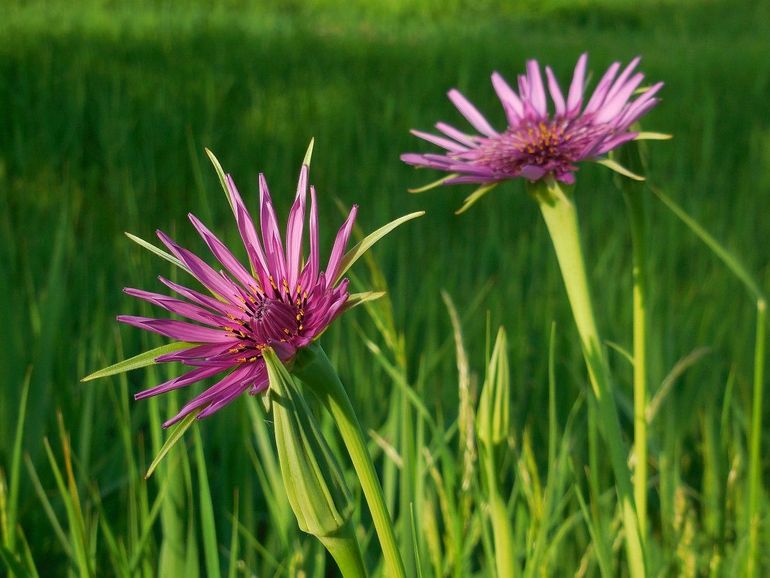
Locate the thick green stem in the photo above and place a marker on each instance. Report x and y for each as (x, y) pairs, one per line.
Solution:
(636, 219)
(313, 368)
(560, 217)
(755, 463)
(344, 548)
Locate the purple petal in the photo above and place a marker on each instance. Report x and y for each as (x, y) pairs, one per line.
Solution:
(200, 270)
(310, 273)
(556, 95)
(537, 94)
(340, 242)
(271, 235)
(177, 329)
(294, 228)
(182, 308)
(532, 172)
(223, 254)
(514, 110)
(459, 136)
(621, 80)
(194, 353)
(575, 97)
(601, 89)
(439, 141)
(188, 378)
(471, 114)
(203, 300)
(249, 236)
(613, 106)
(237, 381)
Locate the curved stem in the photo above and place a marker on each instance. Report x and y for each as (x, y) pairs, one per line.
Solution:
(313, 368)
(560, 217)
(344, 548)
(636, 218)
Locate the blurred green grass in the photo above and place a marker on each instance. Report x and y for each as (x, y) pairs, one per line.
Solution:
(106, 108)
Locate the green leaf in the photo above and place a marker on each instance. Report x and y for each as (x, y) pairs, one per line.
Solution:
(221, 175)
(175, 436)
(365, 244)
(474, 197)
(618, 168)
(141, 360)
(434, 184)
(646, 135)
(159, 252)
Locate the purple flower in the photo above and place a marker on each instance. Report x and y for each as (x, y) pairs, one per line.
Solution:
(283, 302)
(537, 144)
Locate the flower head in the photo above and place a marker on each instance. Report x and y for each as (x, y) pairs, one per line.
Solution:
(281, 302)
(538, 143)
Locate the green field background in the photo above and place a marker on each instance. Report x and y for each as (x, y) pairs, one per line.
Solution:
(105, 110)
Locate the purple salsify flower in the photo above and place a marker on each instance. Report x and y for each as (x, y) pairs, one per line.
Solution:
(537, 144)
(281, 303)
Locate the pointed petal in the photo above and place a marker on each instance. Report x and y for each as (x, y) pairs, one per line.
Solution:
(459, 136)
(338, 250)
(471, 114)
(514, 110)
(439, 141)
(612, 106)
(556, 95)
(575, 97)
(177, 306)
(621, 80)
(199, 269)
(223, 254)
(537, 94)
(600, 93)
(248, 232)
(271, 234)
(177, 329)
(294, 229)
(197, 374)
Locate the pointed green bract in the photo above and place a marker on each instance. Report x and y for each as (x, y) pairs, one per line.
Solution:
(175, 436)
(366, 243)
(356, 299)
(620, 169)
(434, 184)
(159, 252)
(141, 360)
(309, 153)
(646, 135)
(221, 175)
(474, 197)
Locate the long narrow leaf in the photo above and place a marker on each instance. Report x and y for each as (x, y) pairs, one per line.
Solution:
(141, 360)
(175, 436)
(365, 244)
(159, 252)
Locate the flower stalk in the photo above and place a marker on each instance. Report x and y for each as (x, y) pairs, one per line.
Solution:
(313, 368)
(632, 156)
(560, 215)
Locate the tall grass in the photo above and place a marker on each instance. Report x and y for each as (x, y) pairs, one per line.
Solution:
(105, 113)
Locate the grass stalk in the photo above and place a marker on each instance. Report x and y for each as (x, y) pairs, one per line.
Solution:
(561, 219)
(314, 369)
(639, 267)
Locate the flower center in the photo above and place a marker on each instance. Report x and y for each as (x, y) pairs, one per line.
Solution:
(270, 321)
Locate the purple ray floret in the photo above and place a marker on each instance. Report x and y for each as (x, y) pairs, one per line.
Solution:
(538, 143)
(281, 301)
